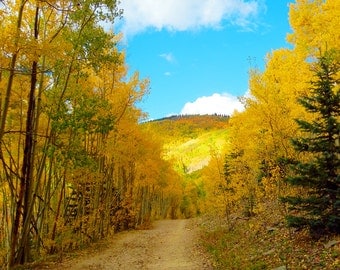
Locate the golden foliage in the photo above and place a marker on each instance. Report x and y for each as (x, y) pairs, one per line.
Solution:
(76, 163)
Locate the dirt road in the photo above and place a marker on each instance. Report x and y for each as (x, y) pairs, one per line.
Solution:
(170, 244)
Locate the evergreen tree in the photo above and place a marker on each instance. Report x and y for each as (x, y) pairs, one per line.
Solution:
(319, 207)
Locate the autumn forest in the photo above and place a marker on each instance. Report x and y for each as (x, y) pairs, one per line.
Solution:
(80, 163)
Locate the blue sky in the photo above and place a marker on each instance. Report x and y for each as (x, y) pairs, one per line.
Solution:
(197, 53)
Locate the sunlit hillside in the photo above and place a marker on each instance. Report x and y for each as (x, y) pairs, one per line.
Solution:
(189, 141)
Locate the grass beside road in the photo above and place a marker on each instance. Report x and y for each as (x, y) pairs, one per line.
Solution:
(264, 242)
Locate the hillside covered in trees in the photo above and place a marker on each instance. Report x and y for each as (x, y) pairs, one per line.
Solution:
(190, 143)
(79, 162)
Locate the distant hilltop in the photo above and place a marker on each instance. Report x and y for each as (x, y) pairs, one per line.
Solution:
(193, 117)
(187, 126)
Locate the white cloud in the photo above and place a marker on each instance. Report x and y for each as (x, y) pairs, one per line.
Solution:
(181, 15)
(168, 57)
(167, 73)
(224, 104)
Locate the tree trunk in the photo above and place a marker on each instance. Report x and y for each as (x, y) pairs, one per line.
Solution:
(26, 200)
